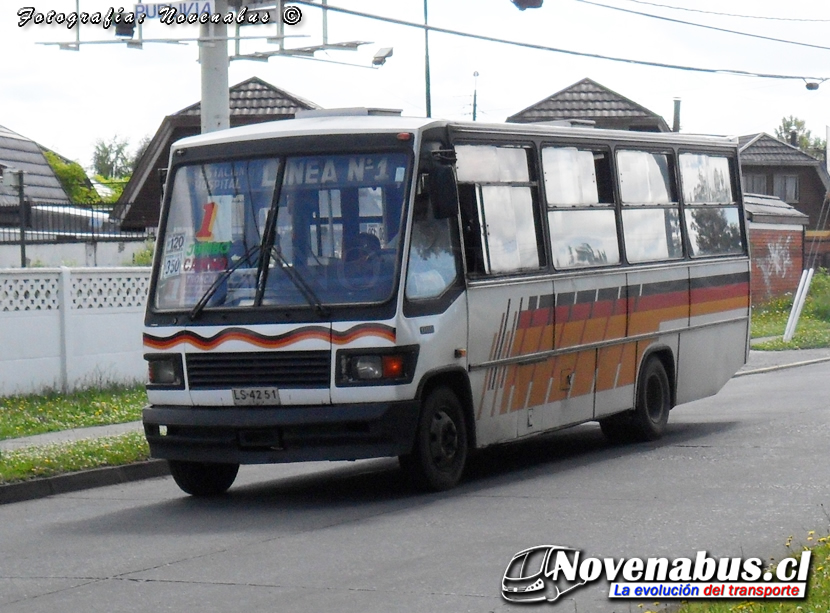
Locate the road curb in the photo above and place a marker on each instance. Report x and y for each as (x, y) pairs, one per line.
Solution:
(113, 475)
(86, 479)
(758, 371)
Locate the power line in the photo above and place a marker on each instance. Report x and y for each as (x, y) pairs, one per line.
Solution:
(700, 25)
(493, 39)
(683, 8)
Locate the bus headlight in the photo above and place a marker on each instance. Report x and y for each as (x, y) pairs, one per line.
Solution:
(165, 370)
(376, 366)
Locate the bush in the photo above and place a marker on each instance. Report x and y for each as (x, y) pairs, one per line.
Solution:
(818, 300)
(145, 256)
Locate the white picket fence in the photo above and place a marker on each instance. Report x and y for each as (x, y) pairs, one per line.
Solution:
(68, 328)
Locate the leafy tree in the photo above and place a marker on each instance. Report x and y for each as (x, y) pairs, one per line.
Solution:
(139, 151)
(805, 141)
(110, 158)
(113, 164)
(114, 187)
(73, 179)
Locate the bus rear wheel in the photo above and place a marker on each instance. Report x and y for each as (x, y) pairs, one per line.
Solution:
(648, 420)
(202, 478)
(439, 456)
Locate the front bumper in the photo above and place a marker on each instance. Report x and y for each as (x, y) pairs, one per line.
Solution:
(263, 435)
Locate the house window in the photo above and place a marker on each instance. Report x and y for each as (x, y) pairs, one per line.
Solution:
(755, 183)
(785, 187)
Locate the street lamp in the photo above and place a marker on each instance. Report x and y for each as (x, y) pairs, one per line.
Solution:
(381, 56)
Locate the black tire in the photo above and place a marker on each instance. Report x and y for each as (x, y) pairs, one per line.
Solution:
(439, 456)
(653, 402)
(203, 479)
(648, 420)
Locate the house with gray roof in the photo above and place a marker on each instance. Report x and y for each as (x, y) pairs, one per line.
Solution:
(772, 167)
(251, 101)
(588, 101)
(20, 153)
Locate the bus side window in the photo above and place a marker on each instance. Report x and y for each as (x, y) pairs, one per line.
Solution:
(650, 208)
(581, 212)
(712, 214)
(498, 207)
(433, 252)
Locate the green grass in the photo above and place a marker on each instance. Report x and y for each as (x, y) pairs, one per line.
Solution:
(818, 590)
(813, 328)
(59, 458)
(27, 415)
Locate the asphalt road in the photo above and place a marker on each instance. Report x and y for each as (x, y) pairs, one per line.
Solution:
(735, 476)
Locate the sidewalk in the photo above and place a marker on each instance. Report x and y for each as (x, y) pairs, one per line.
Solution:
(65, 436)
(765, 361)
(759, 362)
(87, 479)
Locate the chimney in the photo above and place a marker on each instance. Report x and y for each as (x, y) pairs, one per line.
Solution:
(794, 137)
(676, 123)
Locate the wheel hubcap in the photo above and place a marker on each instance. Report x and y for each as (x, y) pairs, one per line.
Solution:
(443, 440)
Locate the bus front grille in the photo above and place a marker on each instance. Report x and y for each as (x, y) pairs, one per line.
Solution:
(297, 369)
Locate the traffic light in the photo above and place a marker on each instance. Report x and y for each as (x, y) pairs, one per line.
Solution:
(125, 29)
(527, 4)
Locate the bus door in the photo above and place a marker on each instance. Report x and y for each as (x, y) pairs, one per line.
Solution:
(510, 300)
(590, 296)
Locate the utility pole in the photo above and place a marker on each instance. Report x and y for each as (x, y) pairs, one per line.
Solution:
(426, 62)
(13, 177)
(475, 94)
(213, 59)
(22, 202)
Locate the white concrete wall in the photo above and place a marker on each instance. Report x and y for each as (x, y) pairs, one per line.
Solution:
(63, 328)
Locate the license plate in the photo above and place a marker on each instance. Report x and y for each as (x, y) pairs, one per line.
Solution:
(255, 395)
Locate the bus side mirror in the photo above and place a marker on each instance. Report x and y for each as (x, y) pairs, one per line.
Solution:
(443, 192)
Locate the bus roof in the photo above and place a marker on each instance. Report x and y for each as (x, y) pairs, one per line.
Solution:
(351, 122)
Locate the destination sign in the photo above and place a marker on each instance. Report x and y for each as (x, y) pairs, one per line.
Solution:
(345, 170)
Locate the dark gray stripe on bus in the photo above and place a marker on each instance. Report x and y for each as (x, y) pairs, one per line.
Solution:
(719, 280)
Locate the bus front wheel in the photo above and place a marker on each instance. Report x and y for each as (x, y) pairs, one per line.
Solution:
(202, 478)
(439, 455)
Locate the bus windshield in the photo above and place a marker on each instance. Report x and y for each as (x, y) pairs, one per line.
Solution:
(283, 232)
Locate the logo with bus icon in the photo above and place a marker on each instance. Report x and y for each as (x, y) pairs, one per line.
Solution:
(532, 575)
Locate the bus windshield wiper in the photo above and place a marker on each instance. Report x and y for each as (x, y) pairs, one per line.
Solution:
(209, 292)
(300, 283)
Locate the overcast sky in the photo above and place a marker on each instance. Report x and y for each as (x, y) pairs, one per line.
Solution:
(66, 100)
